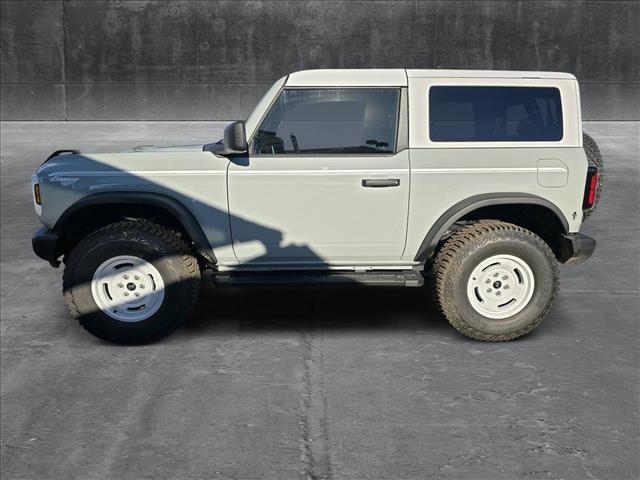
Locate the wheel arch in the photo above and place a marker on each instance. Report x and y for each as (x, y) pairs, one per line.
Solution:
(172, 211)
(505, 207)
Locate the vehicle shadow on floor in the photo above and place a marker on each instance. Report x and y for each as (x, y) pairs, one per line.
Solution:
(313, 308)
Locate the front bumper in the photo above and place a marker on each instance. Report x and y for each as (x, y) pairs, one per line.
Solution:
(45, 245)
(575, 248)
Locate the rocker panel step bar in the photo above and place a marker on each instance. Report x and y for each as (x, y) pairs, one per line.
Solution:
(409, 278)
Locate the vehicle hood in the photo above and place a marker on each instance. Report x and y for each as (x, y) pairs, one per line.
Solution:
(142, 160)
(166, 148)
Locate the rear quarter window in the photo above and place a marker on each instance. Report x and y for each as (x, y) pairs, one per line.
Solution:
(495, 114)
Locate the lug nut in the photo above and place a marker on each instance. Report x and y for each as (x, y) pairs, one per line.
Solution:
(137, 294)
(495, 274)
(498, 293)
(487, 281)
(141, 285)
(126, 277)
(489, 290)
(120, 285)
(126, 294)
(136, 277)
(505, 278)
(506, 287)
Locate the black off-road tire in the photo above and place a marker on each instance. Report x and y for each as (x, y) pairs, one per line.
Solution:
(595, 158)
(156, 244)
(466, 249)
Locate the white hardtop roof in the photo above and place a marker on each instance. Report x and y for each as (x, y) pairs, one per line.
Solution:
(348, 78)
(398, 76)
(487, 74)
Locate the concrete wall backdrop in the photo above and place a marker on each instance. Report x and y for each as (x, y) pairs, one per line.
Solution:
(207, 60)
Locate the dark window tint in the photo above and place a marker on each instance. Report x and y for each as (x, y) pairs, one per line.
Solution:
(494, 114)
(336, 121)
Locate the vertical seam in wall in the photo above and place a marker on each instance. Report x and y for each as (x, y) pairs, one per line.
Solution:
(63, 12)
(198, 51)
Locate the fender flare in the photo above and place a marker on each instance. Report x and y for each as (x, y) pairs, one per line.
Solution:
(162, 201)
(460, 209)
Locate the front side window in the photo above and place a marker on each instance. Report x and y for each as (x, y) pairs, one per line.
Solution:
(330, 121)
(494, 114)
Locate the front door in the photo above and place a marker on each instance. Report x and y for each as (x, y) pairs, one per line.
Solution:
(323, 183)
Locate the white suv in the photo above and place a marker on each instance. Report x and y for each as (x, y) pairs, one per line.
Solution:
(337, 176)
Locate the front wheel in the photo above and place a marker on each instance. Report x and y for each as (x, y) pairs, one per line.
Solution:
(495, 281)
(131, 282)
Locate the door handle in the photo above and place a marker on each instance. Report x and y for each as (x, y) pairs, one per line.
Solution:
(380, 182)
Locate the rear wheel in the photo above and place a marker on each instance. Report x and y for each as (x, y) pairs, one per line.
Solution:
(495, 281)
(131, 282)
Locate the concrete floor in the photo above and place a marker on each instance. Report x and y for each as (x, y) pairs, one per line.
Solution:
(319, 383)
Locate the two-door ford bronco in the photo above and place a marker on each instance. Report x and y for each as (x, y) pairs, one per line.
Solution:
(338, 176)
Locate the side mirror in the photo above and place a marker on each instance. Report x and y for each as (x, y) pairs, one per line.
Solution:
(235, 138)
(235, 141)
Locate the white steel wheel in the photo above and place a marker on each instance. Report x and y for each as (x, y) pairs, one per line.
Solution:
(500, 286)
(127, 288)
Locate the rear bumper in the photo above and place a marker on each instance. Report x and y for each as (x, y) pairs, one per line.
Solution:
(575, 248)
(45, 245)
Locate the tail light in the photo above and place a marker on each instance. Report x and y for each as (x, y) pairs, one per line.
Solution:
(590, 188)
